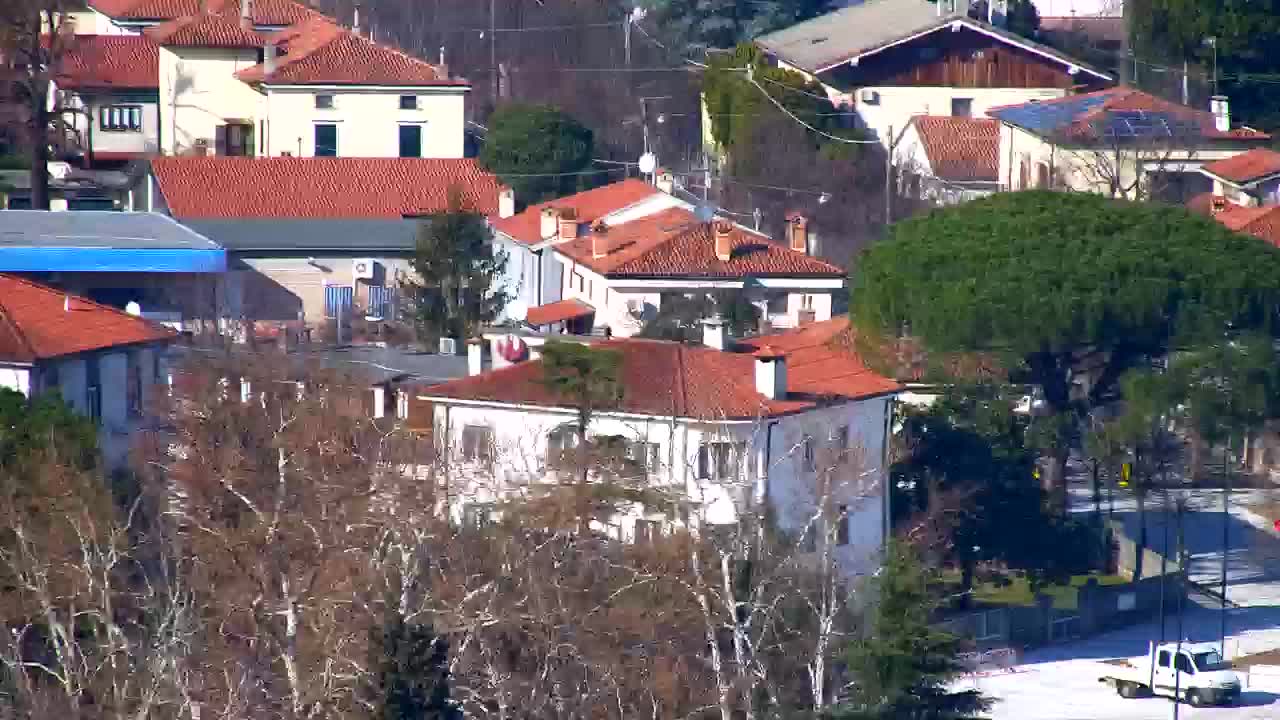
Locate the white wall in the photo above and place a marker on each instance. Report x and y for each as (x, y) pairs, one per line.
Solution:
(368, 120)
(199, 92)
(287, 284)
(16, 377)
(146, 140)
(897, 105)
(772, 470)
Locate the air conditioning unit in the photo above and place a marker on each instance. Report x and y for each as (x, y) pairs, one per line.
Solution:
(364, 269)
(869, 97)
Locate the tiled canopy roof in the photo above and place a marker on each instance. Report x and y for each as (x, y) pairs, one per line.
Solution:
(961, 149)
(39, 322)
(111, 61)
(1260, 222)
(1119, 113)
(558, 311)
(205, 30)
(667, 379)
(673, 243)
(1246, 167)
(590, 205)
(310, 188)
(319, 52)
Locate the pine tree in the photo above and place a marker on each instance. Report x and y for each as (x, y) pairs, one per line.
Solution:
(903, 669)
(412, 682)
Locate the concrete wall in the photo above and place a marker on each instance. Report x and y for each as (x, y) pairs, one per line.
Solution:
(139, 142)
(199, 92)
(368, 120)
(882, 108)
(773, 468)
(531, 278)
(278, 288)
(1091, 170)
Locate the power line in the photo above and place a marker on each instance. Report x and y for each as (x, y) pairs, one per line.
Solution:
(819, 193)
(563, 174)
(795, 89)
(751, 79)
(590, 70)
(539, 28)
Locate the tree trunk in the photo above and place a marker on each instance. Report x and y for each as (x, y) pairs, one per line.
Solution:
(39, 134)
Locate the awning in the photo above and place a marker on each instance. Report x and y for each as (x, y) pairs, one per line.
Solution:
(558, 312)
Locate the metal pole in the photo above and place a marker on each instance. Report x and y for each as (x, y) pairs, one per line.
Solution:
(1182, 592)
(1226, 541)
(493, 50)
(888, 181)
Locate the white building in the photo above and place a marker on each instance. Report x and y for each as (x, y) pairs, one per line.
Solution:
(606, 258)
(949, 160)
(793, 420)
(889, 60)
(101, 360)
(264, 78)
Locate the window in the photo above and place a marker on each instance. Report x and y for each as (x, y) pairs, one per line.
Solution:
(962, 107)
(928, 53)
(777, 304)
(93, 400)
(576, 282)
(808, 454)
(326, 140)
(645, 454)
(410, 141)
(324, 102)
(721, 460)
(134, 384)
(477, 443)
(1163, 658)
(234, 140)
(842, 525)
(1042, 175)
(840, 438)
(408, 102)
(1182, 663)
(338, 300)
(559, 441)
(646, 531)
(120, 118)
(476, 516)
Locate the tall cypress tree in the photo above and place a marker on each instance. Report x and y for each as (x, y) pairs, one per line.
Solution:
(412, 682)
(904, 668)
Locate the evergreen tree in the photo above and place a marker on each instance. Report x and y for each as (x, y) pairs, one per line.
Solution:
(460, 274)
(536, 149)
(412, 682)
(904, 668)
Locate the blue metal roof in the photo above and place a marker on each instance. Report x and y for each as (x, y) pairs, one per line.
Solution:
(103, 241)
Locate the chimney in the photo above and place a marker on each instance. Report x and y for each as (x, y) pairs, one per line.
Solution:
(771, 373)
(355, 19)
(66, 303)
(723, 230)
(475, 356)
(550, 223)
(443, 66)
(599, 239)
(714, 334)
(1221, 113)
(269, 55)
(568, 224)
(666, 181)
(246, 14)
(798, 232)
(506, 202)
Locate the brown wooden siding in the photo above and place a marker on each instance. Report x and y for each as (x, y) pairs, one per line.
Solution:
(964, 59)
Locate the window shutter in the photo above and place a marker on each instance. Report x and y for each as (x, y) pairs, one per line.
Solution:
(220, 140)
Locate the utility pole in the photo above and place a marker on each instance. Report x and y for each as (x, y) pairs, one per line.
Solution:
(888, 174)
(493, 50)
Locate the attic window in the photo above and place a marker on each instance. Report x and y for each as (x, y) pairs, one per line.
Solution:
(928, 53)
(324, 102)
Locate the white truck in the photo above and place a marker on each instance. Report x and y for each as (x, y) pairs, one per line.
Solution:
(1194, 672)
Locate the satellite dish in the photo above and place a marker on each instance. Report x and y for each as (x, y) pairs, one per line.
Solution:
(704, 213)
(133, 308)
(648, 163)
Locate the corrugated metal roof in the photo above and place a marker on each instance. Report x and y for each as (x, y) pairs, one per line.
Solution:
(98, 229)
(358, 235)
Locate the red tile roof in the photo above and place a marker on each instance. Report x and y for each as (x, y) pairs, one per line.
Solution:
(672, 243)
(671, 379)
(319, 52)
(39, 322)
(205, 30)
(591, 205)
(1260, 222)
(111, 61)
(558, 312)
(289, 187)
(1246, 167)
(265, 12)
(960, 149)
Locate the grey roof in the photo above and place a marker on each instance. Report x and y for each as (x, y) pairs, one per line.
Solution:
(817, 44)
(98, 228)
(367, 364)
(358, 236)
